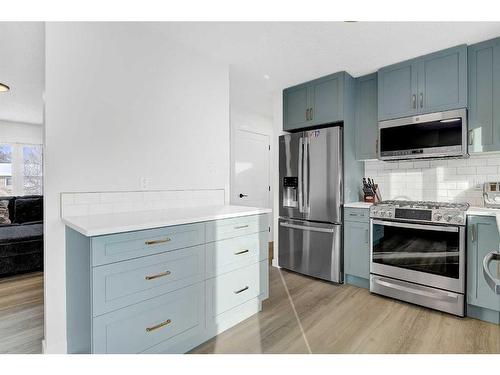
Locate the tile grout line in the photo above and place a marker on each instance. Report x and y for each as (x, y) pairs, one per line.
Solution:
(295, 312)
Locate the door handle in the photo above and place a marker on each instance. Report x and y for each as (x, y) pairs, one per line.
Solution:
(306, 228)
(473, 232)
(241, 290)
(307, 114)
(421, 100)
(310, 114)
(242, 252)
(243, 195)
(367, 236)
(493, 282)
(414, 101)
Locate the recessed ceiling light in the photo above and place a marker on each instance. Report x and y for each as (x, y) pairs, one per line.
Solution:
(266, 76)
(4, 87)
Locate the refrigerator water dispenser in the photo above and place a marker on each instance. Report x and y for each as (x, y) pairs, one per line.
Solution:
(290, 185)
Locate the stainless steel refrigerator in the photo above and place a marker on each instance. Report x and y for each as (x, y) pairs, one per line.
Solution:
(311, 196)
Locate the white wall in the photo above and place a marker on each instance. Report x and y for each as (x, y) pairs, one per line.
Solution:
(18, 132)
(121, 103)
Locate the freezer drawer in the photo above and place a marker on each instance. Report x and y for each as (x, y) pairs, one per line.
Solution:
(310, 248)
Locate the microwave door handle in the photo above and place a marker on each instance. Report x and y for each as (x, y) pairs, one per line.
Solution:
(300, 187)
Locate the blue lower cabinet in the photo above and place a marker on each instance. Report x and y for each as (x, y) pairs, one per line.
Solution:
(482, 238)
(357, 251)
(149, 291)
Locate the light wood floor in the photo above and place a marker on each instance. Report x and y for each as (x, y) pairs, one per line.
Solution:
(320, 317)
(21, 313)
(315, 317)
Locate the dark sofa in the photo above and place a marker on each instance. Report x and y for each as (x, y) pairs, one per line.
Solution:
(21, 241)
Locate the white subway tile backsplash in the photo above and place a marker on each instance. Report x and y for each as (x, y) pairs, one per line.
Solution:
(81, 204)
(454, 180)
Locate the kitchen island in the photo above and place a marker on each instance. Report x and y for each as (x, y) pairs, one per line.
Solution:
(163, 281)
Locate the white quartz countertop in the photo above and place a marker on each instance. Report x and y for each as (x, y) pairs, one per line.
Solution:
(358, 205)
(97, 225)
(483, 211)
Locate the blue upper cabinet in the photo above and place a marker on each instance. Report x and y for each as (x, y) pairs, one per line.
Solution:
(431, 83)
(366, 117)
(296, 107)
(397, 90)
(484, 96)
(442, 80)
(314, 103)
(327, 99)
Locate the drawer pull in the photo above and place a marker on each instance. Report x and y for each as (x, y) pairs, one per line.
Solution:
(160, 325)
(241, 290)
(161, 274)
(241, 227)
(241, 252)
(154, 242)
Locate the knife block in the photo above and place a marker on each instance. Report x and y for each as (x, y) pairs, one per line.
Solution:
(372, 198)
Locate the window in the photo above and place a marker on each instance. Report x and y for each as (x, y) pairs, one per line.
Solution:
(21, 169)
(32, 176)
(5, 170)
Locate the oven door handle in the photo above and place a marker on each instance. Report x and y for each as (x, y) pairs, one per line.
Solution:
(392, 285)
(437, 228)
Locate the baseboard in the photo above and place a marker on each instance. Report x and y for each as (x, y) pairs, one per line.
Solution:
(357, 281)
(484, 314)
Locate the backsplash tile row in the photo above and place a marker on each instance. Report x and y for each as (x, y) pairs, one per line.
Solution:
(95, 203)
(453, 180)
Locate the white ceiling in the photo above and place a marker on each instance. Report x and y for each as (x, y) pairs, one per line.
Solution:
(22, 67)
(293, 52)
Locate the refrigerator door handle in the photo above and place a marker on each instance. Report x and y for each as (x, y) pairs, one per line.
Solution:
(300, 187)
(306, 175)
(306, 228)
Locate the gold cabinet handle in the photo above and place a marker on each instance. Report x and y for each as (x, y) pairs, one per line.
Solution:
(154, 242)
(241, 227)
(161, 274)
(160, 325)
(242, 252)
(241, 290)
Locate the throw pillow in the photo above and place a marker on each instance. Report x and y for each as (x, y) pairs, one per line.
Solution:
(4, 212)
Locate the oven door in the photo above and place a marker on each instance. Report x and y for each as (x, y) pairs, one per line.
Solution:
(426, 254)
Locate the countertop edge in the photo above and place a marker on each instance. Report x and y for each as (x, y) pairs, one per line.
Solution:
(158, 224)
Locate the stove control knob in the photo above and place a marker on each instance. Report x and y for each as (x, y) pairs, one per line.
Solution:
(459, 219)
(382, 213)
(438, 217)
(447, 218)
(389, 214)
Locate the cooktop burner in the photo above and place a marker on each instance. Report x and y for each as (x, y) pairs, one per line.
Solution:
(425, 205)
(421, 211)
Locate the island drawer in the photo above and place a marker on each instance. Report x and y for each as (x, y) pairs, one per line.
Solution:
(117, 247)
(233, 253)
(170, 319)
(124, 283)
(239, 226)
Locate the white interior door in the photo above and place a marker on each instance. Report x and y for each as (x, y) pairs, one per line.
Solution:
(251, 185)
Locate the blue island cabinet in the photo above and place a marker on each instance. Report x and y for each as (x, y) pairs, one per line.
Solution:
(483, 237)
(164, 290)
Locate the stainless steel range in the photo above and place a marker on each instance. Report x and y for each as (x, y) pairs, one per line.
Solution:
(418, 253)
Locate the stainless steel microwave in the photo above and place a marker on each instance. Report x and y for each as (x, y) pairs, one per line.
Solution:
(433, 135)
